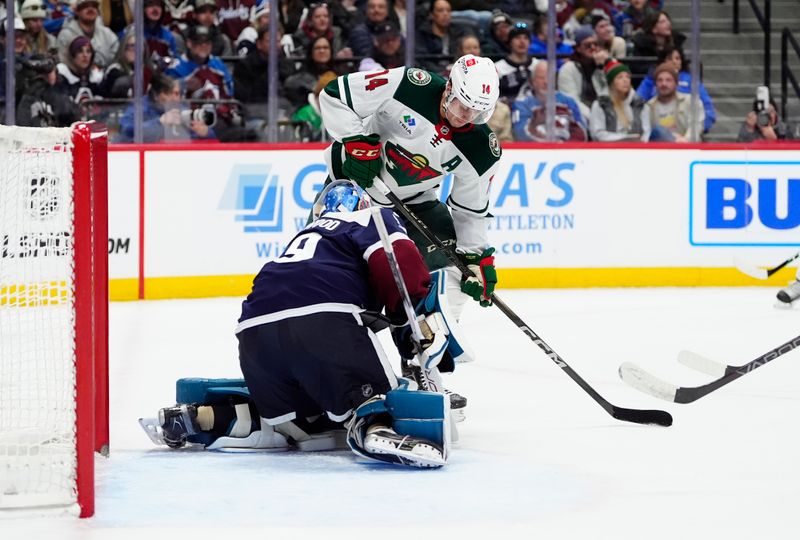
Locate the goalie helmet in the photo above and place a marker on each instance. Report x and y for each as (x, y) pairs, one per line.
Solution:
(341, 196)
(474, 81)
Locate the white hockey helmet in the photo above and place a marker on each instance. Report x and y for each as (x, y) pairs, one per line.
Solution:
(474, 81)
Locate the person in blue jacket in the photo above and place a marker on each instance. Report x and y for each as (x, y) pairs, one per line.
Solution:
(674, 56)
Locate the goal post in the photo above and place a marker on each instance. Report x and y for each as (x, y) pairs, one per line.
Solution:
(53, 315)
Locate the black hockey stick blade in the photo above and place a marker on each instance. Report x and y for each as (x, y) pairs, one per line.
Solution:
(762, 273)
(642, 416)
(652, 385)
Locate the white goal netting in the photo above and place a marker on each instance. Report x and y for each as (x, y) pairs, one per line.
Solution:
(37, 361)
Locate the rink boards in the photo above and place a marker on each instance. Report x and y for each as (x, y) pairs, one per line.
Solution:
(200, 220)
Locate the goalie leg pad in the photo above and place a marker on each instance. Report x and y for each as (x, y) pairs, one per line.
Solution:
(210, 391)
(265, 439)
(404, 427)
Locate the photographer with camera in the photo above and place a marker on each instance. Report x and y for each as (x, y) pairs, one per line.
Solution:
(165, 119)
(762, 123)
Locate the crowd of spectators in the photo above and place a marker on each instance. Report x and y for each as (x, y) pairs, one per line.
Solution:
(622, 74)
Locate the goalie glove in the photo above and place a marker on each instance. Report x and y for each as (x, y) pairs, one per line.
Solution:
(480, 286)
(432, 324)
(362, 161)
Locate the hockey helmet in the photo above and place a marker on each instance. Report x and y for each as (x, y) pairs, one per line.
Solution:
(474, 81)
(341, 196)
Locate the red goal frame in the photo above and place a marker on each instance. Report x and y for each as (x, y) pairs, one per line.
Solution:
(90, 200)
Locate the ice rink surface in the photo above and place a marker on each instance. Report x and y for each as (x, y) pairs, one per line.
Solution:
(538, 458)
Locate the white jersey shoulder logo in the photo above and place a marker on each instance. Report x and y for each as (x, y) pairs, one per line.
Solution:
(418, 76)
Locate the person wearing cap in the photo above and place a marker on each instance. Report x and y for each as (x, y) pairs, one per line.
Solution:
(436, 38)
(515, 69)
(606, 38)
(79, 77)
(582, 77)
(388, 49)
(41, 104)
(33, 13)
(671, 111)
(496, 42)
(621, 115)
(104, 41)
(205, 14)
(160, 40)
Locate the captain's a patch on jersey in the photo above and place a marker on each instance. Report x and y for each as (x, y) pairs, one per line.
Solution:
(418, 76)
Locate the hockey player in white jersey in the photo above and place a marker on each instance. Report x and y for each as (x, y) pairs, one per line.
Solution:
(411, 128)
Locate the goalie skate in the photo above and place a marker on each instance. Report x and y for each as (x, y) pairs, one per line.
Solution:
(173, 426)
(403, 449)
(458, 403)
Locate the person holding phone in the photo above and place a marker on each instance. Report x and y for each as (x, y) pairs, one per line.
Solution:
(763, 124)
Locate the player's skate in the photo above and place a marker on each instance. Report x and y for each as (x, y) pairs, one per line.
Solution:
(403, 449)
(173, 426)
(458, 403)
(788, 295)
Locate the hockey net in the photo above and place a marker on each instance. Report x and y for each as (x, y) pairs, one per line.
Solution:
(53, 315)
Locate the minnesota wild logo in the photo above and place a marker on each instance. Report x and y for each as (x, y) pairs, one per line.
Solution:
(408, 168)
(418, 76)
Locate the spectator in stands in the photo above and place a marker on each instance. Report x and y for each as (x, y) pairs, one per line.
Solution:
(529, 112)
(399, 10)
(20, 38)
(318, 23)
(162, 118)
(259, 18)
(178, 15)
(621, 115)
(496, 44)
(205, 78)
(117, 14)
(656, 35)
(160, 40)
(675, 59)
(630, 19)
(766, 126)
(538, 48)
(205, 14)
(251, 80)
(377, 13)
(580, 12)
(582, 77)
(79, 77)
(319, 60)
(515, 69)
(309, 114)
(118, 78)
(670, 111)
(58, 13)
(104, 42)
(388, 50)
(605, 36)
(33, 14)
(41, 104)
(234, 16)
(437, 38)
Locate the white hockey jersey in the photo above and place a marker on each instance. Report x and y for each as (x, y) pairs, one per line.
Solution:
(420, 148)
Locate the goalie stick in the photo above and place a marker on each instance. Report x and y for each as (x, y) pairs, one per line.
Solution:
(431, 378)
(650, 384)
(639, 416)
(762, 273)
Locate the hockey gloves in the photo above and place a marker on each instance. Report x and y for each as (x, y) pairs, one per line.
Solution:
(362, 161)
(480, 286)
(431, 322)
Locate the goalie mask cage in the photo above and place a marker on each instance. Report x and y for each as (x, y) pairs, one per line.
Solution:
(53, 316)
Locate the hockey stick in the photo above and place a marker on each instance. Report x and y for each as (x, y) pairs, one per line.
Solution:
(431, 377)
(639, 416)
(650, 384)
(762, 273)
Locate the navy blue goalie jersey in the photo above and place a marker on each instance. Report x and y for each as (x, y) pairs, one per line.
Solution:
(336, 264)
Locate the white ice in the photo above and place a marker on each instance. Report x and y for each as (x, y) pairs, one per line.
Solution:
(538, 458)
